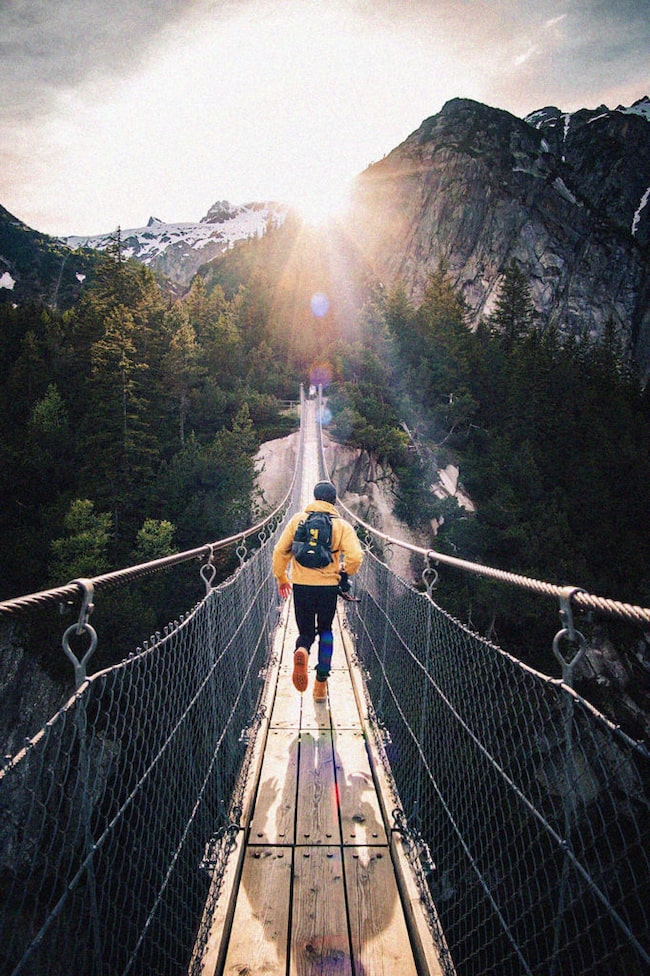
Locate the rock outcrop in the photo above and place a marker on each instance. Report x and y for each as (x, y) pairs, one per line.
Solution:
(28, 695)
(475, 187)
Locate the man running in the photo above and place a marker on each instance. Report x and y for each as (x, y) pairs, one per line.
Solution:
(315, 589)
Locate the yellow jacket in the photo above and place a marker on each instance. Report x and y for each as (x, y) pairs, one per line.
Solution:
(344, 540)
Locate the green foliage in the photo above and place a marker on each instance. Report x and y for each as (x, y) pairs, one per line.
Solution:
(151, 409)
(83, 550)
(554, 448)
(47, 441)
(208, 488)
(154, 540)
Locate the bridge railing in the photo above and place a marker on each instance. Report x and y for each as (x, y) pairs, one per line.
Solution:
(117, 816)
(525, 808)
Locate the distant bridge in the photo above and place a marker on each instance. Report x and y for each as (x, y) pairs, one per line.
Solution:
(449, 810)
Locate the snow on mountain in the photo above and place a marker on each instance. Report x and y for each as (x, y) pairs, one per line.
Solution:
(179, 249)
(550, 115)
(641, 107)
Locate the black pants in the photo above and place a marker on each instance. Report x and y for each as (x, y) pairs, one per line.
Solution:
(315, 607)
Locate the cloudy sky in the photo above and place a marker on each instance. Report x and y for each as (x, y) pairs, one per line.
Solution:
(115, 110)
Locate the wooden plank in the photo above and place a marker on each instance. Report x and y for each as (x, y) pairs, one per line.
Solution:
(291, 710)
(342, 702)
(361, 816)
(288, 704)
(258, 940)
(275, 806)
(317, 819)
(429, 956)
(320, 941)
(221, 902)
(315, 715)
(426, 951)
(380, 940)
(218, 912)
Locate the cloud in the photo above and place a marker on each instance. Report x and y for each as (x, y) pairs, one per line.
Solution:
(114, 109)
(48, 47)
(527, 55)
(554, 21)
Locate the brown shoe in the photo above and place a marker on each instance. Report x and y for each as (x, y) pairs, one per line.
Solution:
(300, 676)
(320, 690)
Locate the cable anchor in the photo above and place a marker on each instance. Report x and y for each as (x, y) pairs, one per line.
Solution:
(241, 552)
(430, 574)
(82, 626)
(569, 633)
(208, 571)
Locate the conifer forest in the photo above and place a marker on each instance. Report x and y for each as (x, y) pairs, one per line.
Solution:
(129, 422)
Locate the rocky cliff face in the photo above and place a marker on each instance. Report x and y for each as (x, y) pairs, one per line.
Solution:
(28, 695)
(606, 153)
(564, 196)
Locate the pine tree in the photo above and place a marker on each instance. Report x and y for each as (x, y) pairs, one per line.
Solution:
(47, 442)
(514, 315)
(120, 443)
(182, 371)
(82, 551)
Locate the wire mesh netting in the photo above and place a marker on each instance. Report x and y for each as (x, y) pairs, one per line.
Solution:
(526, 809)
(105, 815)
(117, 818)
(529, 811)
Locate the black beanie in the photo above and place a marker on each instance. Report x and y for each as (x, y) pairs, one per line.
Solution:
(325, 491)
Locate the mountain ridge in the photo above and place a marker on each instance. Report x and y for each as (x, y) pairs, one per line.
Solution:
(177, 250)
(563, 194)
(476, 187)
(37, 267)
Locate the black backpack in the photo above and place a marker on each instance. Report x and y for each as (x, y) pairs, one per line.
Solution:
(312, 542)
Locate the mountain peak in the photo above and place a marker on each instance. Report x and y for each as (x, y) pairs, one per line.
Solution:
(551, 115)
(476, 186)
(640, 107)
(179, 249)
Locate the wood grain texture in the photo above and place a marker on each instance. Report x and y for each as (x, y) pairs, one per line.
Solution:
(320, 944)
(361, 817)
(342, 703)
(259, 936)
(380, 941)
(315, 715)
(317, 819)
(288, 704)
(275, 809)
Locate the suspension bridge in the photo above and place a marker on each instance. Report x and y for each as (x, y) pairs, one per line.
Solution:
(447, 810)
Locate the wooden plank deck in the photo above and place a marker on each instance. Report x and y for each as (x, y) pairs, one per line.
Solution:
(311, 887)
(317, 892)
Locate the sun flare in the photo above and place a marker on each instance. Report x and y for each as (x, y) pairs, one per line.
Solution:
(323, 202)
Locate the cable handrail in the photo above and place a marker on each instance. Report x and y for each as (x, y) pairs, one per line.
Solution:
(578, 596)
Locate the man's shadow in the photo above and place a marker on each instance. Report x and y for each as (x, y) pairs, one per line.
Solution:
(362, 861)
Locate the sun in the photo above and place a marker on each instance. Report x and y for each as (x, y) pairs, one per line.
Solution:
(323, 201)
